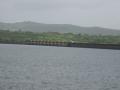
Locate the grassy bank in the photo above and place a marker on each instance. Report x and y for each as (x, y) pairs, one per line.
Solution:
(54, 36)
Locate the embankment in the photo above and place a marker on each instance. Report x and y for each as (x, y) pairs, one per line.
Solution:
(65, 44)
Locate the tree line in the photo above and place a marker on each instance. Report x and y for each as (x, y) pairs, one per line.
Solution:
(20, 36)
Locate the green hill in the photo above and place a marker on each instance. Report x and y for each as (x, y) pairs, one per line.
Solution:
(62, 28)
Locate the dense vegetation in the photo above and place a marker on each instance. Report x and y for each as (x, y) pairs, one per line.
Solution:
(20, 36)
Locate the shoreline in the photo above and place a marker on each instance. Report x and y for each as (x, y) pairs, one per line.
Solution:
(66, 44)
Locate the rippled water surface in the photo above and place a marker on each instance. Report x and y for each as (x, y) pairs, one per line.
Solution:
(25, 67)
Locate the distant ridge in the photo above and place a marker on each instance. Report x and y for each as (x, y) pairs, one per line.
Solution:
(62, 28)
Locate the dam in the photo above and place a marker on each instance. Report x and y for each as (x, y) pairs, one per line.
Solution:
(64, 44)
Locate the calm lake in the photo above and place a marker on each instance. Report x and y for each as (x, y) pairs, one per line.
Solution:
(24, 67)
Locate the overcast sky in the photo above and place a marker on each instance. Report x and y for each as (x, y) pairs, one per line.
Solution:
(104, 13)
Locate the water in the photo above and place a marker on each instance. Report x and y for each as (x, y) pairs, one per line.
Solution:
(25, 67)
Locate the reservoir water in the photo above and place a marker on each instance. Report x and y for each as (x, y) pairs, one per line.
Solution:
(24, 67)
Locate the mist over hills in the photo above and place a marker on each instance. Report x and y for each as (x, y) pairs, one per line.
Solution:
(62, 28)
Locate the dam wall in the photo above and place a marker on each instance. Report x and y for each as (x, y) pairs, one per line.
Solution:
(64, 44)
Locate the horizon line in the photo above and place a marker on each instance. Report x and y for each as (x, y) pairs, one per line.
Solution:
(59, 24)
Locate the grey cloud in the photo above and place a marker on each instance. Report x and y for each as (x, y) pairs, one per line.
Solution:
(81, 12)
